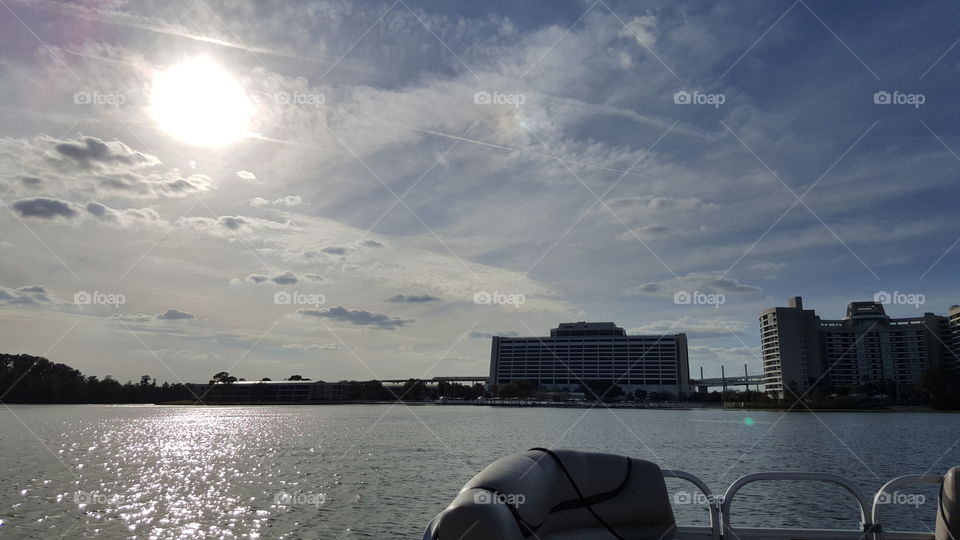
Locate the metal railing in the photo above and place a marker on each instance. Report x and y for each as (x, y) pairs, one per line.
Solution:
(711, 499)
(721, 515)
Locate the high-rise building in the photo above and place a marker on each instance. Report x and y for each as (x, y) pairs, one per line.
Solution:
(800, 349)
(790, 347)
(582, 352)
(954, 325)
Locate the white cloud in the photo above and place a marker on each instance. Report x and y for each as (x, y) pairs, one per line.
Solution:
(643, 29)
(703, 282)
(694, 326)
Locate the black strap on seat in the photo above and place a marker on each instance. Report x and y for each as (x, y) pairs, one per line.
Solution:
(529, 529)
(526, 529)
(587, 502)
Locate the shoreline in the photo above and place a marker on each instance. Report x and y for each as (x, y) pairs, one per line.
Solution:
(520, 404)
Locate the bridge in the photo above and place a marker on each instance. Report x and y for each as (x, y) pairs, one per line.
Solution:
(434, 380)
(724, 382)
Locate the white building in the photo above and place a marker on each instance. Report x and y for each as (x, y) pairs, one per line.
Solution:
(576, 353)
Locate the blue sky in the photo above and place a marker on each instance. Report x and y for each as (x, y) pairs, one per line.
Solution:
(371, 183)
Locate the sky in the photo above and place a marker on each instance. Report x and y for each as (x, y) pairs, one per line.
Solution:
(357, 190)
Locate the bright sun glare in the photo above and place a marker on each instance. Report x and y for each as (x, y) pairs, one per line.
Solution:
(200, 103)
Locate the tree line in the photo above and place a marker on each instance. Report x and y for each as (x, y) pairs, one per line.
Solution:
(34, 379)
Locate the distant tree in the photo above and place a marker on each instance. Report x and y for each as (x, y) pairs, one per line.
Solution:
(223, 377)
(297, 378)
(939, 388)
(33, 379)
(265, 379)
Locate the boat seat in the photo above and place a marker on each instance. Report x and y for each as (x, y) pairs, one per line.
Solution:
(561, 495)
(948, 507)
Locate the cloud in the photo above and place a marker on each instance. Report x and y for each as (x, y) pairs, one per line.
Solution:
(45, 208)
(125, 217)
(693, 326)
(97, 167)
(179, 354)
(30, 296)
(334, 250)
(175, 315)
(702, 282)
(412, 299)
(655, 231)
(285, 278)
(131, 317)
(722, 355)
(232, 222)
(282, 278)
(488, 335)
(313, 276)
(289, 200)
(631, 206)
(371, 243)
(50, 208)
(226, 225)
(311, 347)
(91, 152)
(643, 29)
(246, 175)
(768, 266)
(358, 317)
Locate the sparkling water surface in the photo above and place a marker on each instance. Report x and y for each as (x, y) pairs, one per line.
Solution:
(382, 471)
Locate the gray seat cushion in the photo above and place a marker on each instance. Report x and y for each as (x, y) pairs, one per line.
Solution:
(948, 510)
(531, 489)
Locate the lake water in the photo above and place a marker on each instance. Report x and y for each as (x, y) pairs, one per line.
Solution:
(381, 471)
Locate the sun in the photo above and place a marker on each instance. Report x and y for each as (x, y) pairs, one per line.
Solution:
(200, 103)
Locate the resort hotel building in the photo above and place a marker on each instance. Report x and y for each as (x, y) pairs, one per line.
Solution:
(581, 352)
(799, 348)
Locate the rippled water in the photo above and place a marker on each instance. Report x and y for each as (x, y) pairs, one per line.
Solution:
(380, 471)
